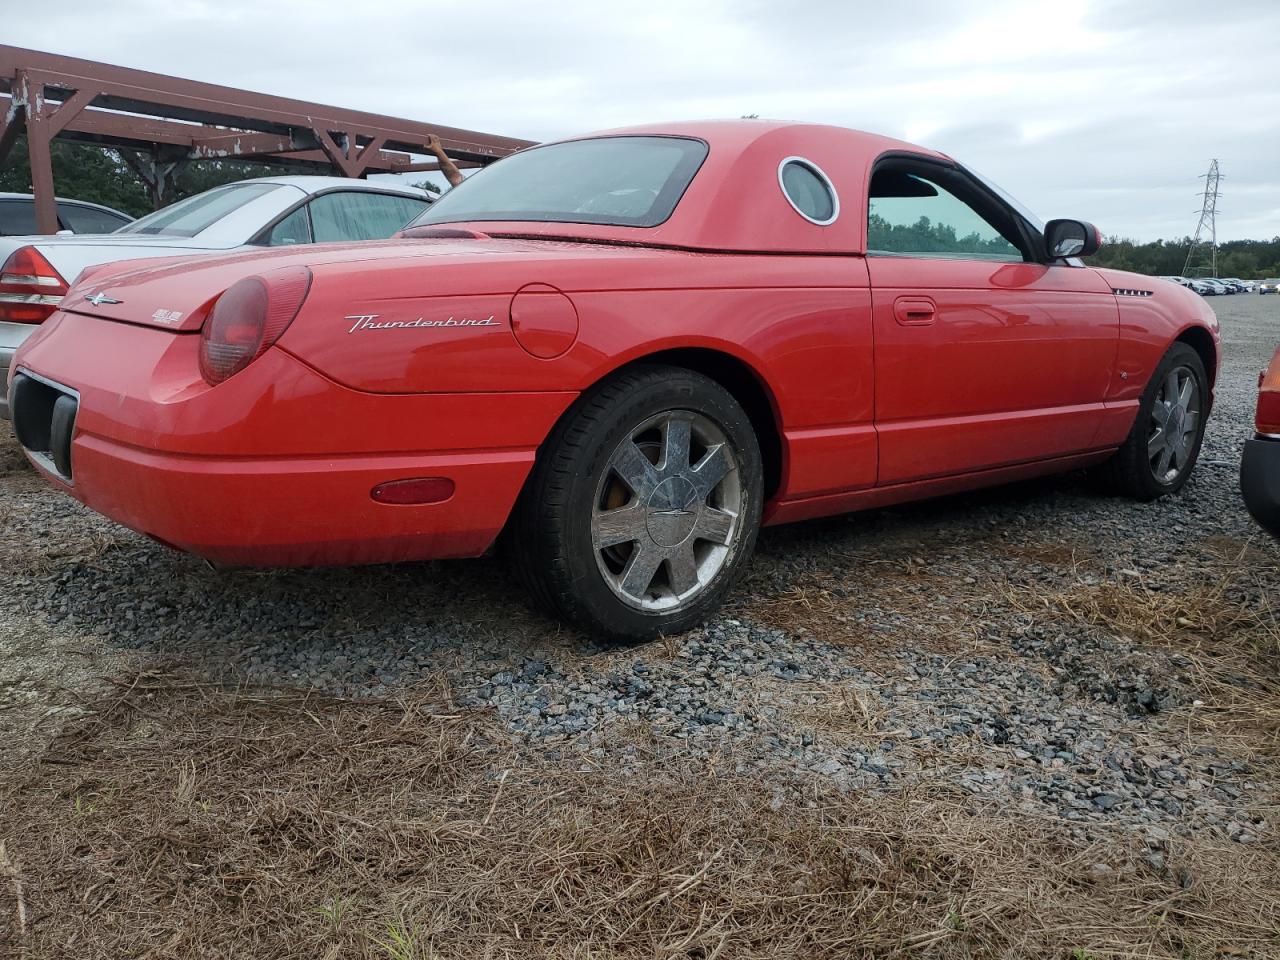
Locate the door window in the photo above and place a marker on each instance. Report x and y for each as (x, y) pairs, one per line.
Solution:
(293, 229)
(357, 215)
(17, 218)
(926, 210)
(80, 219)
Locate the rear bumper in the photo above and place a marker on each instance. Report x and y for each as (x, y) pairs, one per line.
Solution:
(300, 510)
(276, 466)
(1260, 481)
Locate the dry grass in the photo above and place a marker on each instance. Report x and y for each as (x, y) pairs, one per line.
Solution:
(925, 608)
(1222, 618)
(185, 820)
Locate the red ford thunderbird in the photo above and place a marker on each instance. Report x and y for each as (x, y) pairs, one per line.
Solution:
(618, 356)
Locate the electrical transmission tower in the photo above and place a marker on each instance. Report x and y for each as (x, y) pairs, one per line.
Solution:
(1203, 255)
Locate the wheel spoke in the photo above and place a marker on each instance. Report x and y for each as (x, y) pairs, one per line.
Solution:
(623, 525)
(1160, 413)
(635, 469)
(641, 566)
(1156, 444)
(1171, 387)
(1185, 394)
(1163, 464)
(675, 445)
(1191, 423)
(711, 469)
(682, 567)
(714, 525)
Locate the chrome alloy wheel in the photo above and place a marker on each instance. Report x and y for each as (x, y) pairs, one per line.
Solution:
(1175, 419)
(666, 513)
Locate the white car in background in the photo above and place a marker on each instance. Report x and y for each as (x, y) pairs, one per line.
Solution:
(274, 211)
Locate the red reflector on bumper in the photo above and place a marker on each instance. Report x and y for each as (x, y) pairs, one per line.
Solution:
(417, 490)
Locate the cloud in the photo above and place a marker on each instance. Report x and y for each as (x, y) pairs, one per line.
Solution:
(1106, 111)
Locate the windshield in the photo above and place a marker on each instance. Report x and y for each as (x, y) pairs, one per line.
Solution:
(620, 181)
(188, 217)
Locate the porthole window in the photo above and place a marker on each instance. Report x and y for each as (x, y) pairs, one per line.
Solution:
(808, 190)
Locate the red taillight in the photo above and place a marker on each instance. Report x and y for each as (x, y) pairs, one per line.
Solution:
(248, 318)
(1268, 419)
(30, 289)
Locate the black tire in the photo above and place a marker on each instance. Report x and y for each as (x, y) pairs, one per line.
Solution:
(549, 541)
(1129, 471)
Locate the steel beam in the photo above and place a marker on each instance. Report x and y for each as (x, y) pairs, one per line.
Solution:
(229, 145)
(157, 170)
(142, 92)
(142, 133)
(154, 116)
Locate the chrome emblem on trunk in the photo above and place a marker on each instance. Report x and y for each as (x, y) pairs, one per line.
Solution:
(98, 299)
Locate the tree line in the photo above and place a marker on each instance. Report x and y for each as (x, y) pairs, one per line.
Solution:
(926, 236)
(1244, 259)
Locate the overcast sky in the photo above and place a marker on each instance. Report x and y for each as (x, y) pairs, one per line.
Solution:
(1103, 111)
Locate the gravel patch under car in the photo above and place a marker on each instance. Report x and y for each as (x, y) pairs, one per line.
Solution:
(929, 644)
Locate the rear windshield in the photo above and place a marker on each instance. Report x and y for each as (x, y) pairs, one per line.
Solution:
(188, 217)
(619, 181)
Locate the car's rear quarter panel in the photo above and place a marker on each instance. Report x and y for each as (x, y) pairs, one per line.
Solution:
(280, 457)
(802, 325)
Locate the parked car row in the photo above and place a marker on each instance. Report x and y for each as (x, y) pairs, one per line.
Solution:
(271, 212)
(616, 355)
(1217, 286)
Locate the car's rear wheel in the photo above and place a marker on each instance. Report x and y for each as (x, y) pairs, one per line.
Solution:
(643, 507)
(1164, 443)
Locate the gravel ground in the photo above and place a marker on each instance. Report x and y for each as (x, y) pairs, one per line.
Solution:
(1038, 646)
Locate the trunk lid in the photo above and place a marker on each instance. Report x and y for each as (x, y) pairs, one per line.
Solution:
(176, 293)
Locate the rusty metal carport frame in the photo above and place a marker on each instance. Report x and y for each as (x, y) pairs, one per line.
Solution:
(158, 123)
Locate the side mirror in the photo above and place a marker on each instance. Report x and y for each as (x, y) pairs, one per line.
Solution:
(1071, 238)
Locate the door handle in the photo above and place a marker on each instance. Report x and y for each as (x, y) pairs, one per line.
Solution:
(914, 311)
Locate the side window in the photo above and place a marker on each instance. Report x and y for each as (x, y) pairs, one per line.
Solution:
(80, 219)
(356, 215)
(808, 191)
(17, 218)
(293, 229)
(915, 212)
